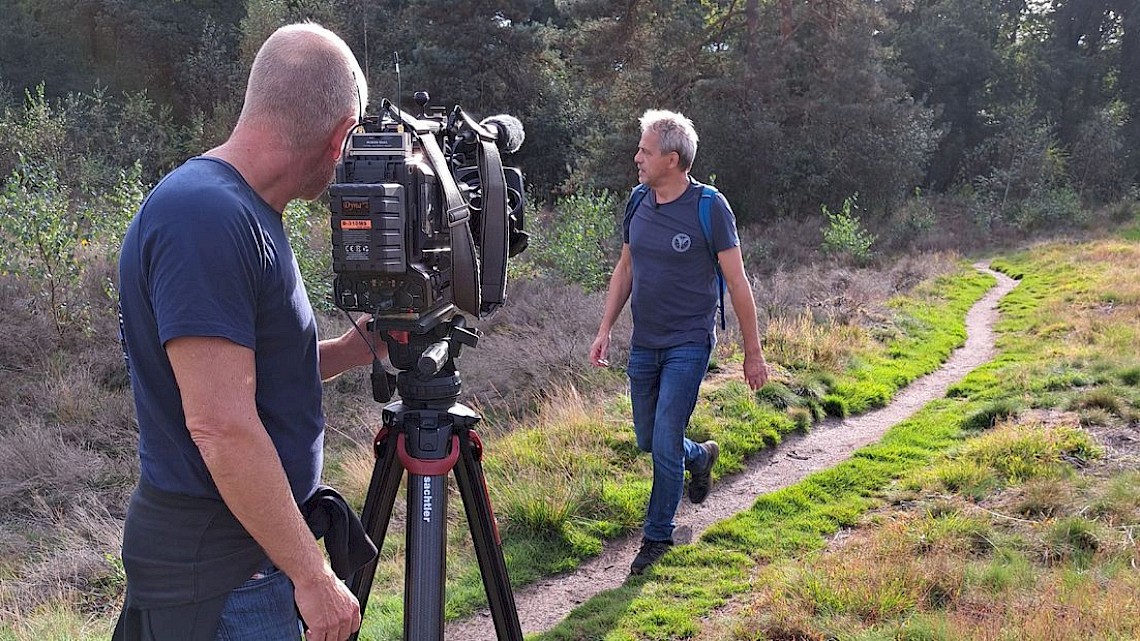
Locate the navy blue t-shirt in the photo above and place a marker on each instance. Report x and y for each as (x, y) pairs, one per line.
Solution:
(206, 256)
(675, 294)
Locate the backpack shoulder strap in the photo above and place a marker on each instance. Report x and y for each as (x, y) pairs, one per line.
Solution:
(704, 212)
(631, 205)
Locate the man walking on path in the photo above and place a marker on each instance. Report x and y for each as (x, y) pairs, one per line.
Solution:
(668, 272)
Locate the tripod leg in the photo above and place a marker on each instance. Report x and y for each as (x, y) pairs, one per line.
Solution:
(426, 558)
(377, 511)
(485, 535)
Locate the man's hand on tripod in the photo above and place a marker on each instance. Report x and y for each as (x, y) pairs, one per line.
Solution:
(330, 611)
(354, 348)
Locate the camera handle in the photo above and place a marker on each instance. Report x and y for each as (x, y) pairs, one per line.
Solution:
(429, 434)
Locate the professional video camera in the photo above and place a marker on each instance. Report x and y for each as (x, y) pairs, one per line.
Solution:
(425, 215)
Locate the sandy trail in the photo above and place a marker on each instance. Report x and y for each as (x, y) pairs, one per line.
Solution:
(544, 604)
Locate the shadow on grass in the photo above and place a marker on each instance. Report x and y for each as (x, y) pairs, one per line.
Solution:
(594, 619)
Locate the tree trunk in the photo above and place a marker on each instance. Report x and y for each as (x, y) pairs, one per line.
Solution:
(787, 26)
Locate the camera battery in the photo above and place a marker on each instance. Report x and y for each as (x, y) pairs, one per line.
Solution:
(368, 232)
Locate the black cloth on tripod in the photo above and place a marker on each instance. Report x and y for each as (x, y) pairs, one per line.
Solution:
(184, 555)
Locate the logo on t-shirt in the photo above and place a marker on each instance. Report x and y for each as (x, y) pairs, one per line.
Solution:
(682, 243)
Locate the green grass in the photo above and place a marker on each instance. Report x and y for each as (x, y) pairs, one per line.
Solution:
(932, 321)
(1066, 344)
(576, 478)
(58, 622)
(797, 518)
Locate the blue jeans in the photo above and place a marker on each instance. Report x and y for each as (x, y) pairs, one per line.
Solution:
(663, 386)
(261, 609)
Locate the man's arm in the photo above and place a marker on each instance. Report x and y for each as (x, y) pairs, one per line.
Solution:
(216, 379)
(732, 265)
(621, 284)
(350, 349)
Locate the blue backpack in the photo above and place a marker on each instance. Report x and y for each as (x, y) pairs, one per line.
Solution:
(703, 212)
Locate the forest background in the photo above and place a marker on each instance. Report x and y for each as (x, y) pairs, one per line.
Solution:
(863, 145)
(1022, 108)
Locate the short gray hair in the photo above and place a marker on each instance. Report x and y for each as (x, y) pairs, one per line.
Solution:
(675, 133)
(303, 82)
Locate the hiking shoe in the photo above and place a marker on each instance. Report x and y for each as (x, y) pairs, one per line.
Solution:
(649, 553)
(701, 479)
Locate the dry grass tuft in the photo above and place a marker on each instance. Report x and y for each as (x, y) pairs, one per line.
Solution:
(800, 342)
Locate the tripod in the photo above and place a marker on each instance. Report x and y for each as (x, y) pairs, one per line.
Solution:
(428, 433)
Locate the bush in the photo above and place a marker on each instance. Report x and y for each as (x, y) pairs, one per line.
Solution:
(915, 219)
(1049, 208)
(73, 180)
(577, 238)
(845, 236)
(45, 234)
(1097, 161)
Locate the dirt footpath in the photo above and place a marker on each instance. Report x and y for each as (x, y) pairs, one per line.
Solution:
(545, 603)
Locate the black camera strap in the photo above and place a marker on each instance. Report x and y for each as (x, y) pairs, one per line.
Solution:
(493, 228)
(464, 262)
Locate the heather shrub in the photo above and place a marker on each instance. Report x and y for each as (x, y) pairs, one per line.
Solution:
(539, 341)
(843, 294)
(67, 455)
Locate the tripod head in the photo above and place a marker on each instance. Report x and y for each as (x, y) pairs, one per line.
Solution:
(425, 358)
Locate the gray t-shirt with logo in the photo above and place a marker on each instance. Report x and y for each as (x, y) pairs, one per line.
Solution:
(674, 294)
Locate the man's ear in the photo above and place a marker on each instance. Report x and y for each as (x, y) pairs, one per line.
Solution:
(340, 133)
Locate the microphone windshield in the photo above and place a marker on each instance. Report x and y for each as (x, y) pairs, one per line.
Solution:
(508, 131)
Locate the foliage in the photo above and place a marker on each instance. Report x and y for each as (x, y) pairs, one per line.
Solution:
(845, 236)
(42, 241)
(786, 120)
(795, 105)
(1027, 184)
(576, 238)
(949, 56)
(88, 139)
(914, 219)
(128, 45)
(1097, 162)
(48, 238)
(306, 224)
(68, 196)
